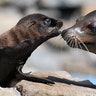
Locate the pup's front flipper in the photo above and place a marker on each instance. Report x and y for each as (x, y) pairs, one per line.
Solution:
(29, 77)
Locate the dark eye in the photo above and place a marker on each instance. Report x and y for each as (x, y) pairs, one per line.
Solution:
(47, 22)
(92, 27)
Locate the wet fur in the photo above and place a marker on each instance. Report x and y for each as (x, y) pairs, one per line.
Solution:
(18, 43)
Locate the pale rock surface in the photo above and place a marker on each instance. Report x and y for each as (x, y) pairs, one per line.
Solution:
(60, 88)
(9, 92)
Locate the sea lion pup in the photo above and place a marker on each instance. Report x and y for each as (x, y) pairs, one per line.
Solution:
(18, 43)
(83, 34)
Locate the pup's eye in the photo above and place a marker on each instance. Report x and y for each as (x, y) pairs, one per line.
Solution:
(47, 22)
(92, 27)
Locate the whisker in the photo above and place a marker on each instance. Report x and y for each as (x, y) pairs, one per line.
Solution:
(68, 40)
(80, 45)
(76, 40)
(71, 42)
(83, 44)
(80, 41)
(76, 43)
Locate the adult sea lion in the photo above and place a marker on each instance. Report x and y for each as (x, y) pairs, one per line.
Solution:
(17, 44)
(83, 34)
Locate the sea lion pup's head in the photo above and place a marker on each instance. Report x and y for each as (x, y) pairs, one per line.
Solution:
(36, 25)
(31, 27)
(83, 34)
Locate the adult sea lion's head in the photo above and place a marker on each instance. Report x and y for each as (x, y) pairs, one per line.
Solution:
(83, 34)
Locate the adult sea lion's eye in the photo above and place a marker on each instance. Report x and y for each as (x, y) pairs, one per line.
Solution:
(47, 22)
(92, 27)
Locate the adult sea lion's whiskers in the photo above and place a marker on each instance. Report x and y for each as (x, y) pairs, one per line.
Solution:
(70, 42)
(76, 42)
(80, 42)
(80, 45)
(73, 43)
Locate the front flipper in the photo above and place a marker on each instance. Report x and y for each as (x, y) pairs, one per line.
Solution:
(27, 76)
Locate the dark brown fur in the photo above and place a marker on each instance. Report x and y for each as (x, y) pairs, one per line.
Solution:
(18, 43)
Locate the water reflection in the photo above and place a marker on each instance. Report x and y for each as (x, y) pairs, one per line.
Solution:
(85, 77)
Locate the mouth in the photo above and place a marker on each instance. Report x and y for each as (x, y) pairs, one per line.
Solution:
(55, 29)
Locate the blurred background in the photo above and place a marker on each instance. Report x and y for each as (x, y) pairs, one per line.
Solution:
(54, 55)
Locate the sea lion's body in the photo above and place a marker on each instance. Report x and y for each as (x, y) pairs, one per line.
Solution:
(18, 43)
(83, 34)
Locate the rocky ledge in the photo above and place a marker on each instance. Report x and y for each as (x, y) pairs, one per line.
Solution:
(64, 85)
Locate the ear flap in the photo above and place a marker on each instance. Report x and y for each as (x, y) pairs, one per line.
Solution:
(31, 23)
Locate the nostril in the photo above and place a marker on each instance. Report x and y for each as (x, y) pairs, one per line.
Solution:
(56, 23)
(59, 24)
(63, 33)
(53, 23)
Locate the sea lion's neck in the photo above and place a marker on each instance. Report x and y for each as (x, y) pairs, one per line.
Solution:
(22, 35)
(15, 36)
(28, 46)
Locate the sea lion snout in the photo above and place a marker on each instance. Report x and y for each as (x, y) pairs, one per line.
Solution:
(59, 24)
(63, 33)
(54, 23)
(71, 32)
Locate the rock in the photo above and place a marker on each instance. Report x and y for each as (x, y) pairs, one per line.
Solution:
(63, 86)
(9, 92)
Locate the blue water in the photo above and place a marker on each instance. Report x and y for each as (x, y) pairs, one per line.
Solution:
(85, 77)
